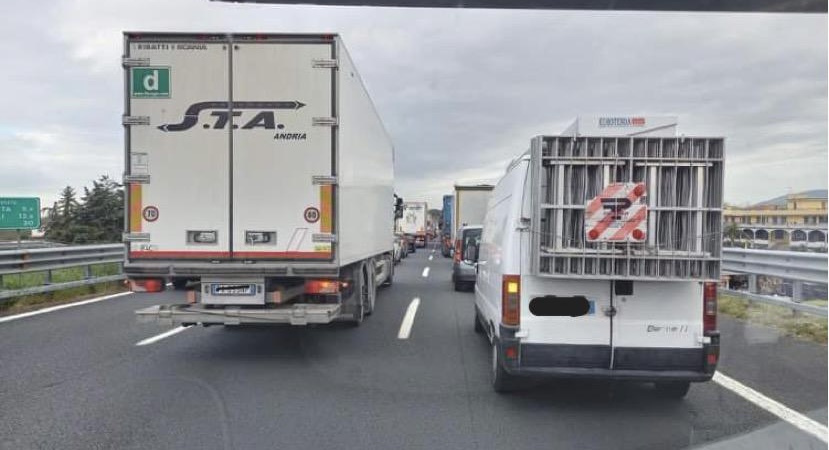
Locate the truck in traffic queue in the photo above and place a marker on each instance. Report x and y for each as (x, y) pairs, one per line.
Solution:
(446, 244)
(262, 190)
(413, 223)
(600, 256)
(469, 211)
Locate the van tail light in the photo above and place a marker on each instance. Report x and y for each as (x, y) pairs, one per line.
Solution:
(147, 285)
(322, 286)
(511, 300)
(457, 256)
(709, 307)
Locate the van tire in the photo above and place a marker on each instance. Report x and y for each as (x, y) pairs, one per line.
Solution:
(673, 389)
(502, 382)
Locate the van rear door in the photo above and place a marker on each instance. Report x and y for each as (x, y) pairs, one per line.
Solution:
(283, 154)
(658, 326)
(578, 342)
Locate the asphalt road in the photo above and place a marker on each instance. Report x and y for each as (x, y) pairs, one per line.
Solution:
(74, 379)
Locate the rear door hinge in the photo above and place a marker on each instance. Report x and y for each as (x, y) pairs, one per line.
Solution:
(136, 237)
(135, 120)
(324, 180)
(325, 121)
(139, 179)
(325, 64)
(135, 62)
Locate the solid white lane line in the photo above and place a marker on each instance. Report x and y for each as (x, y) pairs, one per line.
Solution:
(780, 410)
(59, 307)
(425, 272)
(408, 319)
(156, 338)
(430, 257)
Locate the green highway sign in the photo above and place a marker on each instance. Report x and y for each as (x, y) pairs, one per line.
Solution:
(19, 213)
(150, 82)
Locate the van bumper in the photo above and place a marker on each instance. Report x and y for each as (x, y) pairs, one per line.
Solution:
(558, 361)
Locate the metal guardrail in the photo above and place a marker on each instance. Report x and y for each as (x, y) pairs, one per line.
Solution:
(46, 260)
(776, 301)
(798, 266)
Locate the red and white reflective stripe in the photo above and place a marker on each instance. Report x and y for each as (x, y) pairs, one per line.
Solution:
(625, 224)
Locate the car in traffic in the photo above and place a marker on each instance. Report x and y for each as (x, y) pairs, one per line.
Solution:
(463, 265)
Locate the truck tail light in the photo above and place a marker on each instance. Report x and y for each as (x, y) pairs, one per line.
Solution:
(511, 300)
(457, 256)
(147, 285)
(322, 286)
(709, 307)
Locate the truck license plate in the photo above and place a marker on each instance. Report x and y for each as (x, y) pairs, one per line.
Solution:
(233, 289)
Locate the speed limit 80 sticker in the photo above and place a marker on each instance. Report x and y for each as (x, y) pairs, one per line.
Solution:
(311, 214)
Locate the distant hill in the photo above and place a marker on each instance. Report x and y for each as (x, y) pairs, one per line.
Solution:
(781, 201)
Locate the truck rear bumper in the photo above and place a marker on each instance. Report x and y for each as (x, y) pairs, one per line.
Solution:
(297, 314)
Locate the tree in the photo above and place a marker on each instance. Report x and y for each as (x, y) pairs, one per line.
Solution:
(98, 217)
(732, 232)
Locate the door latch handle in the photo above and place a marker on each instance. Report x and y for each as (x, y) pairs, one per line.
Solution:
(609, 311)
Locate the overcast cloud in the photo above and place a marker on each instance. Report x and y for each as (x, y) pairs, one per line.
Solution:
(460, 91)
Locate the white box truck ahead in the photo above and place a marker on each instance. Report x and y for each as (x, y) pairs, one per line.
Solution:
(413, 223)
(259, 178)
(600, 257)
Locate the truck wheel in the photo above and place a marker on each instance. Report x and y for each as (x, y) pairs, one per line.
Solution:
(390, 279)
(372, 290)
(502, 381)
(359, 298)
(479, 328)
(673, 389)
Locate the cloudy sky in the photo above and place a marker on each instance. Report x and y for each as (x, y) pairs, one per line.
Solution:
(460, 91)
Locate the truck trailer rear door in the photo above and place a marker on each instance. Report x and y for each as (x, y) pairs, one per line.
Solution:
(283, 154)
(178, 161)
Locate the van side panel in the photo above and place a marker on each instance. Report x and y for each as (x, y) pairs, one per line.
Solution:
(365, 170)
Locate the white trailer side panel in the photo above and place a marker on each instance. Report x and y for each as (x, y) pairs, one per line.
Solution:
(470, 206)
(365, 170)
(188, 171)
(277, 150)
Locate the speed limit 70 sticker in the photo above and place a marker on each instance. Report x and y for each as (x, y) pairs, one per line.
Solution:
(312, 215)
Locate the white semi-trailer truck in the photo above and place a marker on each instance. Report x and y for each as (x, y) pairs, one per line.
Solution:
(258, 179)
(413, 223)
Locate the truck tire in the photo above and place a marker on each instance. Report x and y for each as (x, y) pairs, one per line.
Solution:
(479, 328)
(502, 382)
(390, 279)
(673, 389)
(359, 297)
(372, 289)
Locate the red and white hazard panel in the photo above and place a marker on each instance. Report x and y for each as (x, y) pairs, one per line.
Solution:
(618, 214)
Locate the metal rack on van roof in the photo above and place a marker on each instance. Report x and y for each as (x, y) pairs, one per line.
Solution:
(683, 178)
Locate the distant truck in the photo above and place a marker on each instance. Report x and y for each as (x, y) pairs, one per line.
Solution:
(258, 179)
(413, 223)
(446, 227)
(600, 257)
(469, 211)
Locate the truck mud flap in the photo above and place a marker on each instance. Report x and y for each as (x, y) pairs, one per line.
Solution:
(299, 314)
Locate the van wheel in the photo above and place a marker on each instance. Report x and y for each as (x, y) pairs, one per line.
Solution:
(502, 381)
(478, 327)
(673, 389)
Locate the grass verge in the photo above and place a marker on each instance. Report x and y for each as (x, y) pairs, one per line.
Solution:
(798, 325)
(37, 301)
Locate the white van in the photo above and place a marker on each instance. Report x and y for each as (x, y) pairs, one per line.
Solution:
(558, 311)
